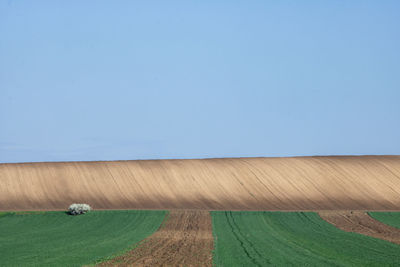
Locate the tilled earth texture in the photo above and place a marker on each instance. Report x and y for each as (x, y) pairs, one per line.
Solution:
(299, 183)
(361, 222)
(184, 239)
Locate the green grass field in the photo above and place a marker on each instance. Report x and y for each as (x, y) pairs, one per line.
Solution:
(58, 239)
(389, 218)
(293, 239)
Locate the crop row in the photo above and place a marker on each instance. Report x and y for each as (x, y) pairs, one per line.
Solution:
(59, 239)
(293, 239)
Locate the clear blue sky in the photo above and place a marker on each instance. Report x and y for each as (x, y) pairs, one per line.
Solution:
(110, 80)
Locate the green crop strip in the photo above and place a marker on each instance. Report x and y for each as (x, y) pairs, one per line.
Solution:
(293, 239)
(389, 218)
(58, 239)
(245, 244)
(2, 214)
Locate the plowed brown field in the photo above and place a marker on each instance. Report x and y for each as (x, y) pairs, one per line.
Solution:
(300, 183)
(184, 239)
(361, 222)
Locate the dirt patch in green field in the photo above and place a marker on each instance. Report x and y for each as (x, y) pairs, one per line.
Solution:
(184, 239)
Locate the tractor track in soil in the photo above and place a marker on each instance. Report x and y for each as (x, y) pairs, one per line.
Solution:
(184, 239)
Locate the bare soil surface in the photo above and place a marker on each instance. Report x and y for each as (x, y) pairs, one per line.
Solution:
(184, 239)
(360, 222)
(299, 183)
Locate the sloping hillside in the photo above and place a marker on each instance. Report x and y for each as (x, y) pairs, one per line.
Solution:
(300, 183)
